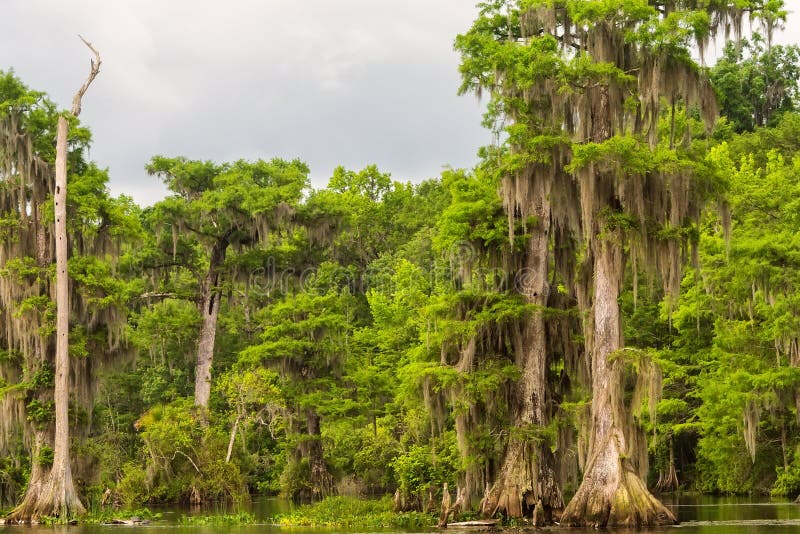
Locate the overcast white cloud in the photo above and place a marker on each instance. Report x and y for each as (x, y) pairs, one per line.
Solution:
(347, 82)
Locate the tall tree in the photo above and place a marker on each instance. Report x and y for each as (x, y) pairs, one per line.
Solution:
(26, 157)
(307, 338)
(221, 206)
(584, 85)
(57, 496)
(749, 287)
(482, 340)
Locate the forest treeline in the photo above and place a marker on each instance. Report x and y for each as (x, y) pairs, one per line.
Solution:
(606, 307)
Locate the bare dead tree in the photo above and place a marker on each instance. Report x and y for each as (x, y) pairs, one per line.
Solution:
(55, 495)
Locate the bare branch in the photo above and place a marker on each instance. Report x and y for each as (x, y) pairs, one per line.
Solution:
(177, 452)
(95, 70)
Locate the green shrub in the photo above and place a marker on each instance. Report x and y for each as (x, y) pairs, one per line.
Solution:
(220, 481)
(421, 468)
(349, 512)
(132, 487)
(46, 455)
(374, 460)
(185, 460)
(788, 482)
(295, 479)
(242, 518)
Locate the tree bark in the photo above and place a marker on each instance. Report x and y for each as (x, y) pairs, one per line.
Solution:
(321, 480)
(58, 496)
(231, 440)
(612, 493)
(25, 512)
(527, 475)
(445, 508)
(208, 332)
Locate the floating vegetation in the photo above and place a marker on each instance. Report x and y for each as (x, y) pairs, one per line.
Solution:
(350, 512)
(241, 518)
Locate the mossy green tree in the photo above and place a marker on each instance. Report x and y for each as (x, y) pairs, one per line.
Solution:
(747, 298)
(223, 206)
(306, 338)
(584, 85)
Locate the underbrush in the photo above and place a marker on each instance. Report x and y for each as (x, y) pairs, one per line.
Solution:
(241, 518)
(353, 512)
(97, 516)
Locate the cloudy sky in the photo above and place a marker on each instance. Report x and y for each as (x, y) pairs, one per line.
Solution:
(333, 82)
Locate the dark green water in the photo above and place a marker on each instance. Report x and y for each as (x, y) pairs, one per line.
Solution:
(698, 515)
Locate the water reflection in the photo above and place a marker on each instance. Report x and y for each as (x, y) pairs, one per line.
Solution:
(726, 509)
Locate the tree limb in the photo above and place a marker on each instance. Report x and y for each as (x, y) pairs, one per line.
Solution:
(177, 452)
(95, 70)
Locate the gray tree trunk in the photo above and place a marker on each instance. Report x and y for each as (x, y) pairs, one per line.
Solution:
(612, 493)
(59, 489)
(526, 479)
(208, 331)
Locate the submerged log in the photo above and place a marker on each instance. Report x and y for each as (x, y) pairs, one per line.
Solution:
(131, 521)
(478, 523)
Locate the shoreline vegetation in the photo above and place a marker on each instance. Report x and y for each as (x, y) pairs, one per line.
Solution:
(351, 512)
(338, 512)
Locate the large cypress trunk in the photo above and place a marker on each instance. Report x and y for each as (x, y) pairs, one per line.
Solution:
(612, 493)
(319, 483)
(526, 483)
(321, 479)
(26, 511)
(208, 332)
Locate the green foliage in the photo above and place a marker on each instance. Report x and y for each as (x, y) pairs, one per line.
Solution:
(14, 472)
(423, 467)
(40, 412)
(45, 457)
(241, 518)
(475, 215)
(788, 482)
(295, 479)
(733, 374)
(347, 512)
(184, 459)
(133, 486)
(757, 83)
(374, 458)
(165, 335)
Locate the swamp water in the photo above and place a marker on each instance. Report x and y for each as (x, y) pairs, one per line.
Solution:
(698, 515)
